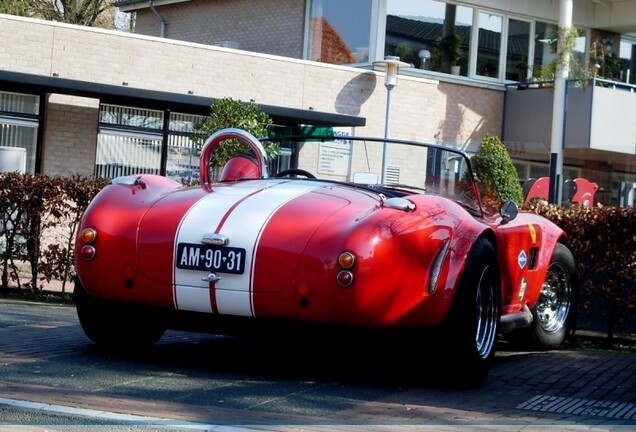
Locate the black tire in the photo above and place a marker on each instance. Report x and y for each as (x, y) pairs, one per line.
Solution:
(554, 313)
(473, 323)
(117, 326)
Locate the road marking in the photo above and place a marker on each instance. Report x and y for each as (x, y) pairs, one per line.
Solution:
(119, 418)
(583, 407)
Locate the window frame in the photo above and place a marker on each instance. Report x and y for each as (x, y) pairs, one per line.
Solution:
(30, 120)
(381, 7)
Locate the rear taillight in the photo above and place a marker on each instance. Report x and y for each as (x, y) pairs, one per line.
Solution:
(87, 252)
(88, 236)
(346, 261)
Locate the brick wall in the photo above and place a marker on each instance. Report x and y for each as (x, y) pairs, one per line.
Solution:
(422, 109)
(70, 135)
(265, 27)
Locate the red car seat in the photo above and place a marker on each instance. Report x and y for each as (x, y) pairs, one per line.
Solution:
(242, 166)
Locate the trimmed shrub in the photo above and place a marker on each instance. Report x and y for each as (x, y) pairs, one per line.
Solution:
(495, 170)
(39, 215)
(229, 113)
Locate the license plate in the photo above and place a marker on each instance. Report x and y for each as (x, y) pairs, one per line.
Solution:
(210, 258)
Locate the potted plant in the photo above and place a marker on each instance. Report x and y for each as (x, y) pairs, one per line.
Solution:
(454, 51)
(447, 53)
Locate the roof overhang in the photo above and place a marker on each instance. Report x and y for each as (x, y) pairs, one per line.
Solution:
(152, 99)
(133, 5)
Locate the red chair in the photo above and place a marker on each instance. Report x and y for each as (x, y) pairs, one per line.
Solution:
(585, 191)
(537, 188)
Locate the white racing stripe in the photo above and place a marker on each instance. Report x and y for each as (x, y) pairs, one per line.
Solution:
(257, 203)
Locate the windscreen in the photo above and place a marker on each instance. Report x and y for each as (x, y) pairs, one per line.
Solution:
(391, 166)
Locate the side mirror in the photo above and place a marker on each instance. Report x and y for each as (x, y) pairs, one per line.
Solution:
(508, 211)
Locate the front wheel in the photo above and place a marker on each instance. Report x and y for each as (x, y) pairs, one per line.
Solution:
(472, 326)
(117, 326)
(554, 312)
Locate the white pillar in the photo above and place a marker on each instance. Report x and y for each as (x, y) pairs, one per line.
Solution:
(559, 105)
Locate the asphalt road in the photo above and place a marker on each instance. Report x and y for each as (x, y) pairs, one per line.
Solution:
(53, 378)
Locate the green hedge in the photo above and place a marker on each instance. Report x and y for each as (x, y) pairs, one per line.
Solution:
(38, 218)
(603, 241)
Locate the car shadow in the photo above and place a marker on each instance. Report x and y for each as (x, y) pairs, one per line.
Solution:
(363, 359)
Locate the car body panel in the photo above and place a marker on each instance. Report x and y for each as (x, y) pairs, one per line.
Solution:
(286, 235)
(524, 249)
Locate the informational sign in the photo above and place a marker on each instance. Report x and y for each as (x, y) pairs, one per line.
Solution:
(334, 157)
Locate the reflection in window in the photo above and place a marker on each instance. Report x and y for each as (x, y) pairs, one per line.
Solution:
(628, 54)
(544, 49)
(517, 52)
(131, 141)
(340, 31)
(123, 152)
(545, 53)
(489, 44)
(429, 34)
(578, 64)
(183, 155)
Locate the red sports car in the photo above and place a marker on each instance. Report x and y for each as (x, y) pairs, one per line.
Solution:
(347, 251)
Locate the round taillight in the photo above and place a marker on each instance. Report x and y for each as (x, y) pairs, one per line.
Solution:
(87, 252)
(88, 235)
(344, 278)
(346, 260)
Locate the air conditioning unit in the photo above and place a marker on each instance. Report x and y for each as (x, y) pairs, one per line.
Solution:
(226, 44)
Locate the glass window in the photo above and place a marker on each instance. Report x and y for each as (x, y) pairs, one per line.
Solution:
(628, 56)
(545, 53)
(544, 49)
(131, 141)
(183, 155)
(517, 50)
(19, 124)
(537, 171)
(131, 117)
(578, 64)
(489, 44)
(122, 152)
(429, 34)
(340, 31)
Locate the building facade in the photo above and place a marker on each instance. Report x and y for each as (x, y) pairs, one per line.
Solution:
(312, 58)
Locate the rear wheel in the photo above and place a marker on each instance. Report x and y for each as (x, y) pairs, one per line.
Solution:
(473, 323)
(117, 326)
(554, 312)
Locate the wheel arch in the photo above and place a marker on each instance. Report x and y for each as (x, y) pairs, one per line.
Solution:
(457, 266)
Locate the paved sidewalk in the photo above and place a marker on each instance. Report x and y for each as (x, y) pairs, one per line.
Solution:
(562, 390)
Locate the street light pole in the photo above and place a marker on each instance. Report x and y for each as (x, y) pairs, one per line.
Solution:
(559, 106)
(391, 64)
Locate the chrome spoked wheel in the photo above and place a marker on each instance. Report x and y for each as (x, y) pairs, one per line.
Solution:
(554, 312)
(555, 301)
(487, 314)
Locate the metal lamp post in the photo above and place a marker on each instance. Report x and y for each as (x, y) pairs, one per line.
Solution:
(391, 64)
(559, 107)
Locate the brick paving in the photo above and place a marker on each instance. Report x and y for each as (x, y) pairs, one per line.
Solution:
(568, 390)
